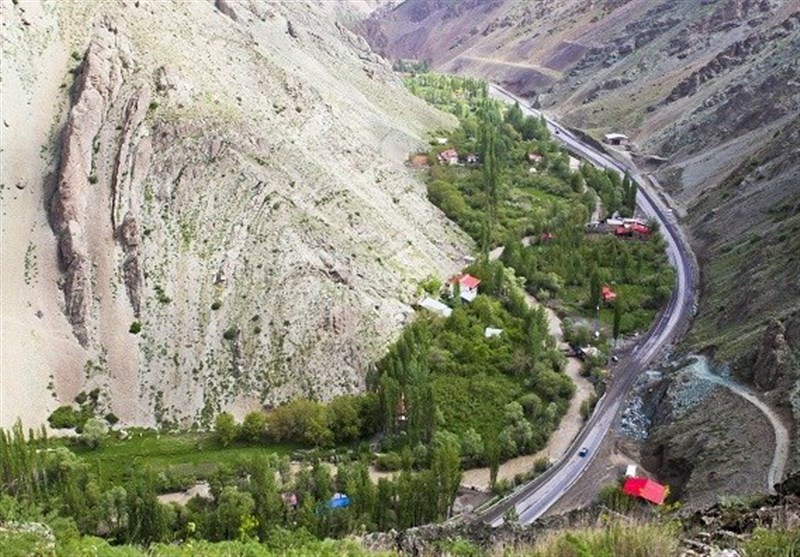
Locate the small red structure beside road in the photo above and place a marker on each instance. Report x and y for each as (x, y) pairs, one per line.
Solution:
(646, 489)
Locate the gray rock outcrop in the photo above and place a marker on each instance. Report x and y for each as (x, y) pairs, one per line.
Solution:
(98, 84)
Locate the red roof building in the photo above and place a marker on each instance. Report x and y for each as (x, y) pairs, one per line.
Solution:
(646, 489)
(608, 294)
(468, 285)
(632, 229)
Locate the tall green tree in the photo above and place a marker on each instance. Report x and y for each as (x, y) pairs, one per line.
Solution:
(617, 317)
(268, 507)
(225, 426)
(234, 508)
(489, 121)
(594, 290)
(146, 516)
(514, 116)
(445, 470)
(253, 426)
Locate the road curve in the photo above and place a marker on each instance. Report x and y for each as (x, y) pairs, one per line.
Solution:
(533, 499)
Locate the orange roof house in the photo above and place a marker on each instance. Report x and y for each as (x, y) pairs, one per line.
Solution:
(449, 156)
(646, 489)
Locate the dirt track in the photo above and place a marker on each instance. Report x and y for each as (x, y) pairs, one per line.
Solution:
(781, 456)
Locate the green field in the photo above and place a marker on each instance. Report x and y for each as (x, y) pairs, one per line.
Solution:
(190, 455)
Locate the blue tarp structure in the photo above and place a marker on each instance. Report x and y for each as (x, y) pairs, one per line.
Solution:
(338, 501)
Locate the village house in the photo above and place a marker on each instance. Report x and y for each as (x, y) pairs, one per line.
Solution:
(436, 307)
(616, 139)
(490, 332)
(630, 230)
(608, 294)
(467, 284)
(449, 157)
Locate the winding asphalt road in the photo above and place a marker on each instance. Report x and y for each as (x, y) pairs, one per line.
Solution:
(533, 499)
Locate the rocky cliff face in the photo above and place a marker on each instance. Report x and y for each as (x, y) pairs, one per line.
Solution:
(776, 371)
(227, 179)
(701, 457)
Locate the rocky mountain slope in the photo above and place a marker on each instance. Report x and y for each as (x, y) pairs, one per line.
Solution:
(204, 206)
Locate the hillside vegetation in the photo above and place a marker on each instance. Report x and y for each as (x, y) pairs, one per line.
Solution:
(707, 86)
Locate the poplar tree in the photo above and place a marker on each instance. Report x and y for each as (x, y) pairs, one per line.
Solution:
(617, 317)
(491, 170)
(594, 291)
(446, 471)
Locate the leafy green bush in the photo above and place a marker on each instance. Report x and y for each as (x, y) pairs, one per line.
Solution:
(773, 543)
(389, 462)
(613, 539)
(135, 328)
(612, 496)
(64, 417)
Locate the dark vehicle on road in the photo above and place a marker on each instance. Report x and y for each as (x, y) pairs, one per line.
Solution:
(583, 452)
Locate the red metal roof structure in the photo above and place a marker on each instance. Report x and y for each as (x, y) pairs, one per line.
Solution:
(646, 489)
(608, 294)
(640, 229)
(468, 281)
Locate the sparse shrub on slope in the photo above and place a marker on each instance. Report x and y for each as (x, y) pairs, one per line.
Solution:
(613, 540)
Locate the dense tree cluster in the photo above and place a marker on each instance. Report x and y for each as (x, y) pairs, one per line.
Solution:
(526, 189)
(618, 195)
(258, 498)
(343, 420)
(446, 375)
(573, 267)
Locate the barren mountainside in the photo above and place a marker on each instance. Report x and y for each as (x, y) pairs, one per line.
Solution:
(204, 207)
